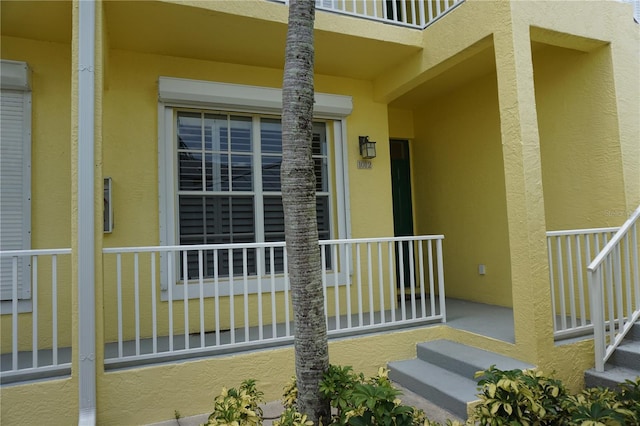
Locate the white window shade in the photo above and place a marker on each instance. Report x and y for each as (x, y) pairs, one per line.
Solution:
(15, 175)
(244, 98)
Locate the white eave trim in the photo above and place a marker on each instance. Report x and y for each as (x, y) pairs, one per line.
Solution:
(241, 97)
(14, 75)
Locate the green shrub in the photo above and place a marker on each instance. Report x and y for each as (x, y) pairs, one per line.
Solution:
(238, 407)
(517, 397)
(506, 398)
(360, 401)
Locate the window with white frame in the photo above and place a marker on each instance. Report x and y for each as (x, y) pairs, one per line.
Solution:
(228, 172)
(220, 155)
(15, 176)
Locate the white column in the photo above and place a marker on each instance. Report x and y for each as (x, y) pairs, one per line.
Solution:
(85, 200)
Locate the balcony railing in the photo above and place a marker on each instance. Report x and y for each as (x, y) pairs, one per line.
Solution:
(178, 302)
(409, 13)
(36, 329)
(570, 252)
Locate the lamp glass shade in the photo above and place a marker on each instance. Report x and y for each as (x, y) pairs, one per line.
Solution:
(367, 148)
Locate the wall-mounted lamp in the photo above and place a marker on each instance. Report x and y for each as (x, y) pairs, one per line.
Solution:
(367, 147)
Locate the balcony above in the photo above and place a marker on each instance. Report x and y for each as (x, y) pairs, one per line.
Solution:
(407, 13)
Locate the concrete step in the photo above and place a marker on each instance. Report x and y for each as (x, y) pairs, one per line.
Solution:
(437, 385)
(634, 333)
(465, 360)
(624, 363)
(627, 355)
(443, 373)
(610, 377)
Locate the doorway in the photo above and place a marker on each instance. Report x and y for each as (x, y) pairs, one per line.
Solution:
(402, 204)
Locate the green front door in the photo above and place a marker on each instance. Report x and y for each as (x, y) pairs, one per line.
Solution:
(402, 206)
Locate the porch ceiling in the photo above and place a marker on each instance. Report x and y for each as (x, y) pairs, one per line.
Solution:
(450, 76)
(230, 36)
(38, 20)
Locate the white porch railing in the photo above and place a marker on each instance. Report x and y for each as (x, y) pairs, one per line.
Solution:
(409, 13)
(36, 336)
(151, 318)
(614, 285)
(569, 253)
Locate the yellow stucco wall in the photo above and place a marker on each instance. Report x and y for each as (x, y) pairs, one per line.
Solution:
(577, 116)
(54, 402)
(145, 395)
(459, 189)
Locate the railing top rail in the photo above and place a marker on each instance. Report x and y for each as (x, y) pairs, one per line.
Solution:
(34, 252)
(614, 240)
(112, 250)
(589, 231)
(382, 239)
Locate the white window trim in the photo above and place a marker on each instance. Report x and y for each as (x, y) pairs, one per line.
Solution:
(182, 93)
(16, 76)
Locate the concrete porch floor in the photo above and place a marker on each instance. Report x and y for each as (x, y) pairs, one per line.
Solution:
(487, 320)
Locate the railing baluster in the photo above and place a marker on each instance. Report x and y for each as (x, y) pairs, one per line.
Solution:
(154, 307)
(571, 283)
(412, 279)
(443, 306)
(583, 309)
(170, 281)
(119, 302)
(201, 296)
(608, 282)
(553, 286)
(14, 312)
(136, 300)
(232, 313)
(400, 267)
(216, 295)
(349, 265)
(432, 289)
(336, 285)
(359, 284)
(627, 280)
(259, 272)
(286, 293)
(34, 312)
(323, 265)
(563, 309)
(617, 273)
(636, 270)
(423, 293)
(392, 281)
(274, 321)
(370, 285)
(54, 309)
(245, 293)
(185, 296)
(383, 316)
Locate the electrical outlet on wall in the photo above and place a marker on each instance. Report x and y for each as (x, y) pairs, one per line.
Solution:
(482, 269)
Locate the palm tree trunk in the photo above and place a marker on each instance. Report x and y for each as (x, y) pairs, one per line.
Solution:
(299, 201)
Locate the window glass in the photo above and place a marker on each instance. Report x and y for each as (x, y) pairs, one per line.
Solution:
(217, 195)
